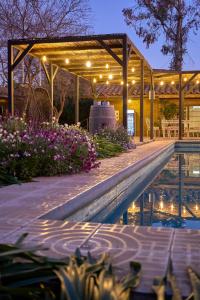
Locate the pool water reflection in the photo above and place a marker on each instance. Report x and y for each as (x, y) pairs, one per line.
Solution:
(172, 200)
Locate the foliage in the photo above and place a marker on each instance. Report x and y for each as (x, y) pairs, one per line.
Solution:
(161, 285)
(26, 151)
(117, 136)
(26, 275)
(105, 148)
(174, 19)
(169, 110)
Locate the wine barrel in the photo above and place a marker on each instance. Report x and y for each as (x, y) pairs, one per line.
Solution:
(101, 116)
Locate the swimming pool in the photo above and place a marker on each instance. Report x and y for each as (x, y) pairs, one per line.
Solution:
(171, 200)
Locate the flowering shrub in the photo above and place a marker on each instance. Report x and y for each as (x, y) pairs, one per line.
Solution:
(117, 136)
(26, 152)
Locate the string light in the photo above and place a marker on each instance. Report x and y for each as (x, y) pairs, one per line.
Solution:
(196, 207)
(107, 82)
(44, 58)
(110, 76)
(129, 100)
(133, 70)
(67, 61)
(161, 204)
(172, 82)
(121, 82)
(197, 82)
(162, 83)
(107, 66)
(88, 64)
(133, 81)
(100, 76)
(185, 79)
(94, 80)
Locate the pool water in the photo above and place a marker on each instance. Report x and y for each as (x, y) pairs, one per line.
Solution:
(171, 200)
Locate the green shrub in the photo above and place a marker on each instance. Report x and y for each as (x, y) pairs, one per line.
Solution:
(106, 148)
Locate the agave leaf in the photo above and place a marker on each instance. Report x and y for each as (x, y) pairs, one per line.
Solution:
(68, 291)
(21, 239)
(195, 282)
(159, 288)
(173, 282)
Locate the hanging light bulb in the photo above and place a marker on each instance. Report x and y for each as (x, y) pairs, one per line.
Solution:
(161, 204)
(107, 66)
(172, 82)
(133, 81)
(94, 80)
(110, 76)
(133, 70)
(88, 64)
(100, 76)
(67, 61)
(44, 58)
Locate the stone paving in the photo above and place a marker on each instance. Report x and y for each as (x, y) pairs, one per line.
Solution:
(22, 205)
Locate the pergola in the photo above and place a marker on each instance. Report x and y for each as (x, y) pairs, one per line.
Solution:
(101, 59)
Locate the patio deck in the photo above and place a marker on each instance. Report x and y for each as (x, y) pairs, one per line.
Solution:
(21, 206)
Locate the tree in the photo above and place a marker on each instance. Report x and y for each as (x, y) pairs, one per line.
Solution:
(173, 19)
(40, 18)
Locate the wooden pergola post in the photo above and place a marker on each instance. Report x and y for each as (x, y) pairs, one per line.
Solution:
(180, 106)
(125, 82)
(141, 100)
(10, 81)
(77, 83)
(152, 107)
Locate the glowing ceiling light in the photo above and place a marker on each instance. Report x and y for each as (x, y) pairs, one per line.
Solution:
(110, 76)
(107, 66)
(185, 79)
(67, 61)
(100, 76)
(88, 64)
(121, 82)
(94, 80)
(133, 81)
(44, 58)
(162, 83)
(172, 82)
(133, 70)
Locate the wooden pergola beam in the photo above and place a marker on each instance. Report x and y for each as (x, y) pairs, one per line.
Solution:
(193, 76)
(21, 56)
(111, 52)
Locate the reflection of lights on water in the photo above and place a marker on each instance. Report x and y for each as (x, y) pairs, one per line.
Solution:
(133, 205)
(196, 207)
(184, 210)
(172, 207)
(161, 204)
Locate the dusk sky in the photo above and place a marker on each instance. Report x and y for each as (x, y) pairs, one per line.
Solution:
(108, 18)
